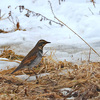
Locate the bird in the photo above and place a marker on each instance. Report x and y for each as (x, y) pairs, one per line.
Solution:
(34, 57)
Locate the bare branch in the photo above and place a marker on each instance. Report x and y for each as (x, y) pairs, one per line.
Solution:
(1, 16)
(0, 13)
(37, 14)
(91, 11)
(11, 18)
(51, 8)
(93, 2)
(10, 60)
(71, 29)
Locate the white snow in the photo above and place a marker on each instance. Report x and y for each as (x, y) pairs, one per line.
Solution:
(5, 65)
(79, 15)
(31, 78)
(65, 91)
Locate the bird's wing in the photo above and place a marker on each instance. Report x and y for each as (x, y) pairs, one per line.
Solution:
(26, 61)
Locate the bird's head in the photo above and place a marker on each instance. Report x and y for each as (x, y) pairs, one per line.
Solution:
(41, 43)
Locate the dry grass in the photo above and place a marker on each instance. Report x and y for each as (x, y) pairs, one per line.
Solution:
(2, 31)
(83, 79)
(10, 55)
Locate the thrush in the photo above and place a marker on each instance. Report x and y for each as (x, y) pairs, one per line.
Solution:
(34, 57)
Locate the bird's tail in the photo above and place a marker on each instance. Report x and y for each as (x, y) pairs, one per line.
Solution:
(18, 68)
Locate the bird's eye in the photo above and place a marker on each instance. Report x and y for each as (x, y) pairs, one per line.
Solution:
(40, 44)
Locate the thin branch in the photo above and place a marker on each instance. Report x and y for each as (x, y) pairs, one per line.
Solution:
(59, 2)
(45, 53)
(89, 55)
(0, 13)
(93, 2)
(10, 60)
(1, 16)
(37, 14)
(11, 20)
(52, 9)
(91, 11)
(71, 29)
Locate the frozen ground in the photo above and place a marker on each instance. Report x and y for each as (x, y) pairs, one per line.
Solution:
(80, 15)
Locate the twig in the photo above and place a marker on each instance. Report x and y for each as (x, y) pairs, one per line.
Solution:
(11, 20)
(71, 29)
(37, 14)
(89, 55)
(1, 16)
(26, 94)
(0, 13)
(9, 60)
(93, 2)
(22, 90)
(59, 2)
(40, 70)
(70, 93)
(45, 53)
(91, 11)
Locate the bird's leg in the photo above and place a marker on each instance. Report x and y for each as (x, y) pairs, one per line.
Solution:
(36, 76)
(29, 75)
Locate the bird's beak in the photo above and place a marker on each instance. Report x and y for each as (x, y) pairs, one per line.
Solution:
(48, 42)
